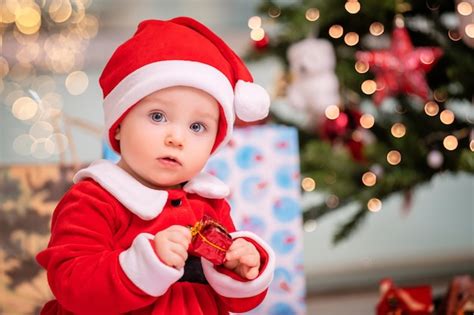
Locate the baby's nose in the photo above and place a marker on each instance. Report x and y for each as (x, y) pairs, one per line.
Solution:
(174, 138)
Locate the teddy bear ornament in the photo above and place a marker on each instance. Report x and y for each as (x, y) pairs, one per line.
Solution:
(314, 85)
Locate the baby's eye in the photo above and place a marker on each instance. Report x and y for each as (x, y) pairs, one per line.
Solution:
(158, 117)
(197, 127)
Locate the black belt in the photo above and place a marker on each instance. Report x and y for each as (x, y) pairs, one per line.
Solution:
(193, 271)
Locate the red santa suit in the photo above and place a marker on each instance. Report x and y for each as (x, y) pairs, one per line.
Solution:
(100, 259)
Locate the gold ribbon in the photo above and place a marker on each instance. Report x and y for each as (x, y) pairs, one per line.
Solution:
(196, 230)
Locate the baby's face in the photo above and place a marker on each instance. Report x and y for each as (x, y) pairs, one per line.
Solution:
(167, 137)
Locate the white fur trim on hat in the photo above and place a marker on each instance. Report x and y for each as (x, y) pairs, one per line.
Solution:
(229, 287)
(162, 74)
(251, 101)
(145, 269)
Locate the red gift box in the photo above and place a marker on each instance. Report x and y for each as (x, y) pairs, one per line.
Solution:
(210, 240)
(406, 301)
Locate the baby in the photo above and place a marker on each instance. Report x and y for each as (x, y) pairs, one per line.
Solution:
(120, 237)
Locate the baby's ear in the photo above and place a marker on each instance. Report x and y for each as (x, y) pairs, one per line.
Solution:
(117, 133)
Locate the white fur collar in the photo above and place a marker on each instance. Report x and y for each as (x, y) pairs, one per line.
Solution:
(145, 202)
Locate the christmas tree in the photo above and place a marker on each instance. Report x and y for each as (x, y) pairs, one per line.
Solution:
(385, 88)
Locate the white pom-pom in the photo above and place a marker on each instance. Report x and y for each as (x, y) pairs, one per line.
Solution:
(251, 101)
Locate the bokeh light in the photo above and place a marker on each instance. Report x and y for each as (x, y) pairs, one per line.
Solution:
(450, 142)
(351, 38)
(446, 117)
(398, 130)
(361, 67)
(376, 29)
(369, 87)
(454, 35)
(28, 18)
(332, 112)
(332, 201)
(464, 8)
(308, 184)
(440, 95)
(352, 6)
(41, 129)
(312, 14)
(431, 108)
(88, 26)
(255, 22)
(369, 179)
(469, 29)
(24, 108)
(394, 157)
(8, 14)
(60, 10)
(310, 226)
(427, 57)
(367, 121)
(77, 82)
(336, 31)
(374, 205)
(257, 34)
(274, 12)
(42, 148)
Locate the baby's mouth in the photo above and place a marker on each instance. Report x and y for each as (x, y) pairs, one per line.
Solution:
(169, 160)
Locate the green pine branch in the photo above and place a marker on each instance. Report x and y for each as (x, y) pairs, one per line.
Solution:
(332, 166)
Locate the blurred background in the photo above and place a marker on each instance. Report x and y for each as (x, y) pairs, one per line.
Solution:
(379, 92)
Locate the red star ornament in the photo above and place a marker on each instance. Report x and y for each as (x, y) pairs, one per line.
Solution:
(402, 68)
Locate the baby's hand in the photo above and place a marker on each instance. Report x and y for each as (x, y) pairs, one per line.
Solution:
(172, 244)
(243, 258)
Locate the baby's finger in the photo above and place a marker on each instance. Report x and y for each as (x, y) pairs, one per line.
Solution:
(179, 237)
(231, 264)
(237, 252)
(239, 242)
(242, 270)
(175, 261)
(180, 250)
(251, 260)
(252, 273)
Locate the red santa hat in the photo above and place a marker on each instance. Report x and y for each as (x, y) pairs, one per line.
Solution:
(180, 51)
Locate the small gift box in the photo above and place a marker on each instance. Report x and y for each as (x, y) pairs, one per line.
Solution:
(400, 301)
(460, 296)
(210, 240)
